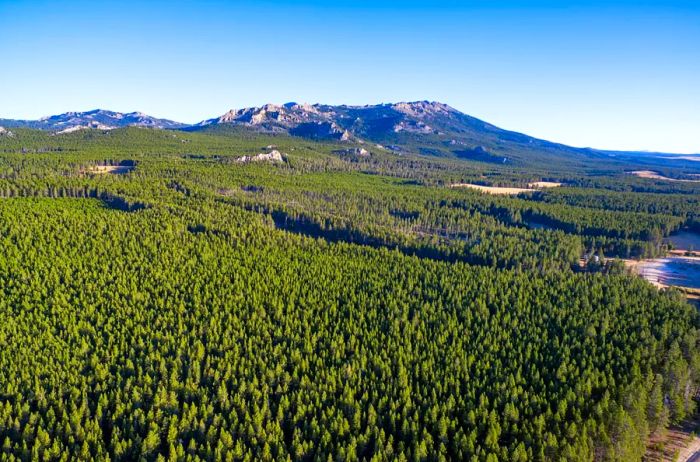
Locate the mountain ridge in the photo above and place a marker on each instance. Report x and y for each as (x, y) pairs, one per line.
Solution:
(423, 127)
(437, 127)
(96, 118)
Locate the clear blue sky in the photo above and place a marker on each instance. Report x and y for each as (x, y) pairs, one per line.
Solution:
(618, 75)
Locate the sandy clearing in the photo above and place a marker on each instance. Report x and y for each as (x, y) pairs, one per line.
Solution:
(637, 267)
(544, 184)
(650, 174)
(498, 190)
(647, 269)
(647, 174)
(114, 169)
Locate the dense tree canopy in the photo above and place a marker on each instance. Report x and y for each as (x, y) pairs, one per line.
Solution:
(197, 308)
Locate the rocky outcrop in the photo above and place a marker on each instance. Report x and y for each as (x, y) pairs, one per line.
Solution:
(272, 156)
(413, 127)
(91, 125)
(421, 109)
(6, 132)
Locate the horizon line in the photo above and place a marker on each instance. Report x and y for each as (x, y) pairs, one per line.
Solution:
(192, 124)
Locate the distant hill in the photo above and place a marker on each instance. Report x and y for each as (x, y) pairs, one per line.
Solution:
(423, 127)
(98, 118)
(419, 127)
(374, 122)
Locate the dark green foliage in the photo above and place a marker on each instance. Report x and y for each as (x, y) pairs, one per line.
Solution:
(197, 308)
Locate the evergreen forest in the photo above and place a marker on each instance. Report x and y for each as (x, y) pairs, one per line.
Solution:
(164, 300)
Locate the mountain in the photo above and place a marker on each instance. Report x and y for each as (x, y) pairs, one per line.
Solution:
(98, 118)
(313, 121)
(420, 127)
(429, 128)
(338, 122)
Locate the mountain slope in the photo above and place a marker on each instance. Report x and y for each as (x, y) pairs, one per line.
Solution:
(422, 127)
(98, 118)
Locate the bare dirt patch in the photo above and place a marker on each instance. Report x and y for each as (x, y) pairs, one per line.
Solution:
(676, 444)
(498, 190)
(544, 184)
(650, 174)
